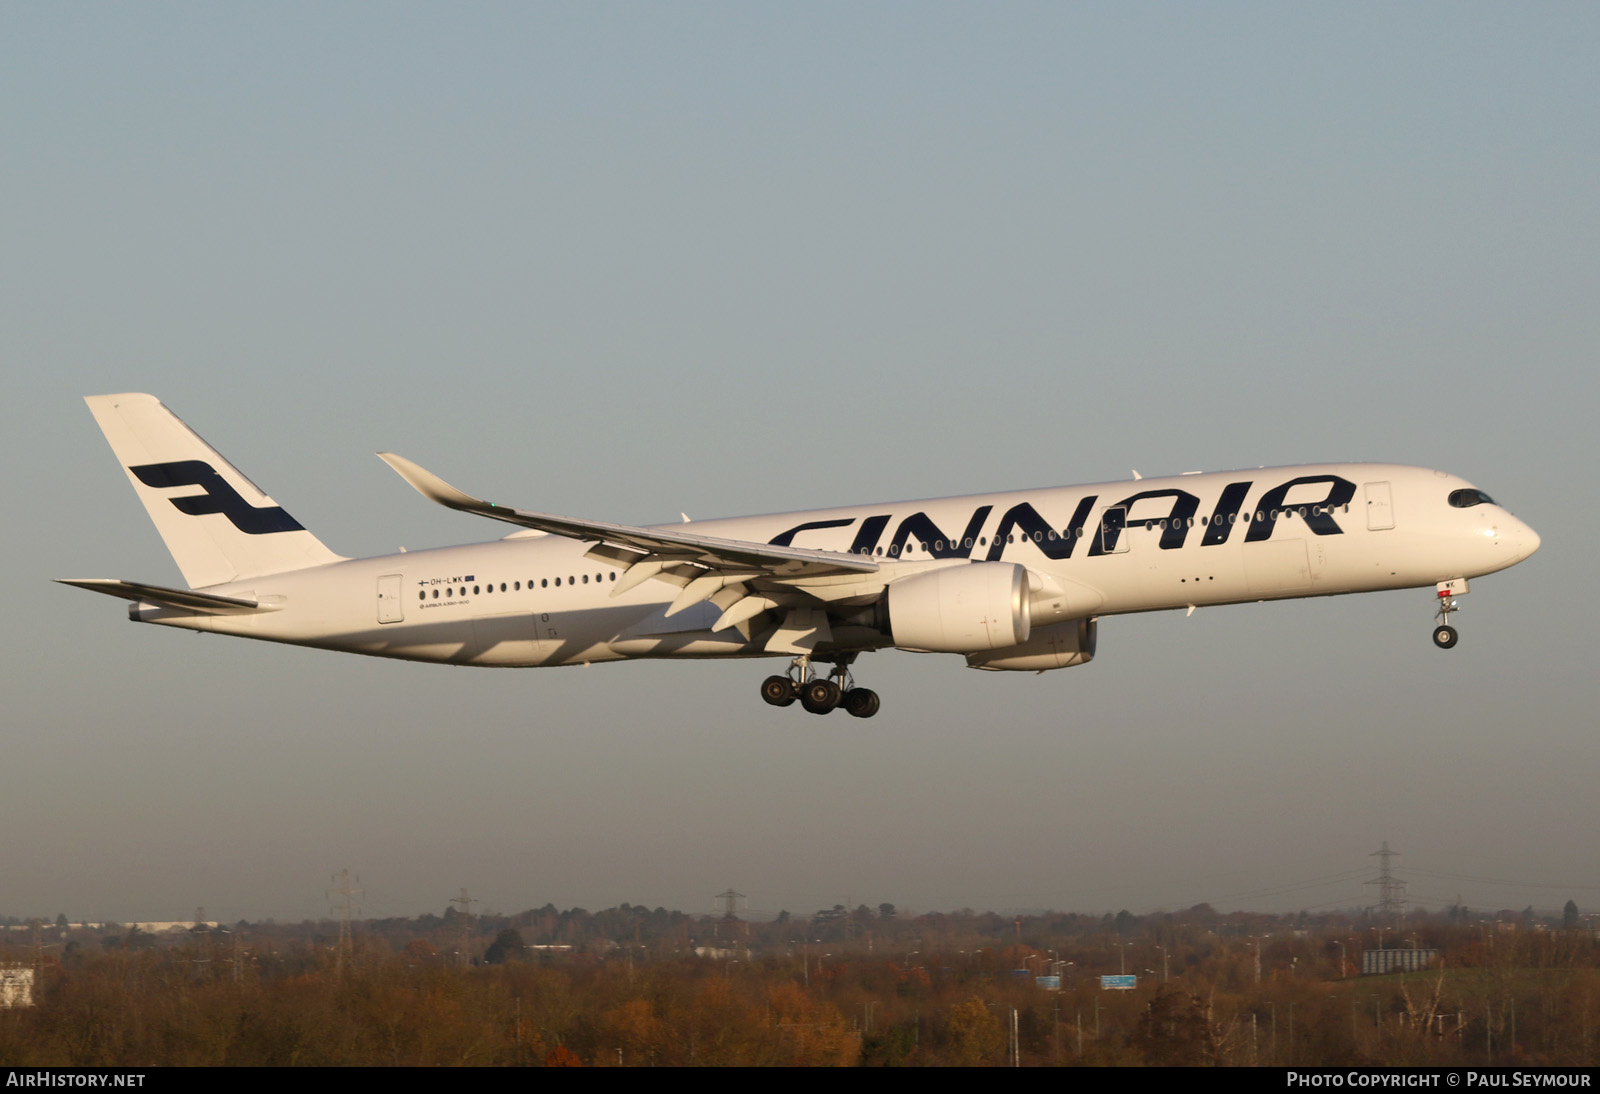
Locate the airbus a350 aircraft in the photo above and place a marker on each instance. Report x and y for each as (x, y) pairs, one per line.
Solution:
(1010, 581)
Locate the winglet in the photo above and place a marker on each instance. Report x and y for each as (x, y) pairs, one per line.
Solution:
(431, 486)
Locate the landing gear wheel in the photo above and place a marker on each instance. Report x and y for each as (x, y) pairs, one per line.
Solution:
(779, 691)
(861, 702)
(1444, 635)
(820, 696)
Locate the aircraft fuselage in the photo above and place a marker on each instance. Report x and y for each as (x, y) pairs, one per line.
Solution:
(1095, 550)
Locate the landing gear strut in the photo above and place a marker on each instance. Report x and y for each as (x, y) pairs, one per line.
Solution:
(820, 695)
(1444, 635)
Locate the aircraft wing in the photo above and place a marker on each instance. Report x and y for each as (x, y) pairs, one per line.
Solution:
(743, 578)
(664, 545)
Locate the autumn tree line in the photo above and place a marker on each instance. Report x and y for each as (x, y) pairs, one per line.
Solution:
(633, 986)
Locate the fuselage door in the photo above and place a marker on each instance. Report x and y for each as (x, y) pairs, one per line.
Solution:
(1380, 510)
(547, 633)
(1113, 523)
(390, 609)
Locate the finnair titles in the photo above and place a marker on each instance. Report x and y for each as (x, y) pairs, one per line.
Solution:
(1013, 581)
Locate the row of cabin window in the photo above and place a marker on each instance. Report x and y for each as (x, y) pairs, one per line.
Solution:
(516, 586)
(938, 545)
(983, 541)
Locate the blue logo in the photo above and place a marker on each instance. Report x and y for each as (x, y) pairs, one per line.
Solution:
(219, 497)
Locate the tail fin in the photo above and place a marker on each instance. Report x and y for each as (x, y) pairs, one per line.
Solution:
(218, 524)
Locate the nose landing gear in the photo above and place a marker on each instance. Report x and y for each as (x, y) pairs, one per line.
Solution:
(821, 695)
(1444, 635)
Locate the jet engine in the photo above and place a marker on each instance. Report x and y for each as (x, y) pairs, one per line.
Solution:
(959, 609)
(1058, 646)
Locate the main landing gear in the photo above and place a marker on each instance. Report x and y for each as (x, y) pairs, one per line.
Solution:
(819, 695)
(1444, 635)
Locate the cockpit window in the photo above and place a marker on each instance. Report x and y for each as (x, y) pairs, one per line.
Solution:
(1466, 499)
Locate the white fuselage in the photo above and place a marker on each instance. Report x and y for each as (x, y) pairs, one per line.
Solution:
(1096, 550)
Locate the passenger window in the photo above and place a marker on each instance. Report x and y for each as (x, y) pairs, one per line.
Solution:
(558, 583)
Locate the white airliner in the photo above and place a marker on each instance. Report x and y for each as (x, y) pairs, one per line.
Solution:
(1010, 581)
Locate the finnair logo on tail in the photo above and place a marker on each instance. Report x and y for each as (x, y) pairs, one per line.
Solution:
(219, 497)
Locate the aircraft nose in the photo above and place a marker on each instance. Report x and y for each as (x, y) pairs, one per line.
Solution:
(1523, 540)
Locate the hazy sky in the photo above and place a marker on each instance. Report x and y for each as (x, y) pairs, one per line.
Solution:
(622, 260)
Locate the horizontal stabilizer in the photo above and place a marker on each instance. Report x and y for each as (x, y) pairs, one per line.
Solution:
(183, 599)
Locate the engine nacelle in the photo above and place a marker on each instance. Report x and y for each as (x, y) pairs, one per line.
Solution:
(960, 609)
(1058, 646)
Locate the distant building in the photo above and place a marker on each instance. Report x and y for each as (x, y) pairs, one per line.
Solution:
(163, 927)
(1378, 962)
(720, 953)
(16, 987)
(51, 926)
